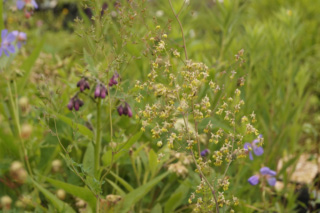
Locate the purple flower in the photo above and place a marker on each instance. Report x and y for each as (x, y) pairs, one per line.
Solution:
(6, 42)
(257, 150)
(75, 103)
(21, 38)
(114, 79)
(265, 173)
(120, 110)
(83, 84)
(100, 91)
(127, 110)
(205, 152)
(26, 3)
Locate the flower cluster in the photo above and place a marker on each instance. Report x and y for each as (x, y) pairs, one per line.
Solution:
(83, 84)
(75, 103)
(9, 39)
(114, 79)
(125, 110)
(190, 94)
(100, 91)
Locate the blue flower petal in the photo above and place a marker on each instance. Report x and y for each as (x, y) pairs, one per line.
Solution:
(272, 181)
(254, 180)
(258, 151)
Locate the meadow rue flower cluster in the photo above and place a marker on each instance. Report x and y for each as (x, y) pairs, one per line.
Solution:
(192, 96)
(9, 39)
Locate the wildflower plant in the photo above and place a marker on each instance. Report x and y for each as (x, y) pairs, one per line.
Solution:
(189, 99)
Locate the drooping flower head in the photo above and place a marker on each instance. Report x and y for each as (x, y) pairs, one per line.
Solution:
(114, 79)
(100, 91)
(253, 146)
(7, 40)
(75, 103)
(265, 173)
(21, 38)
(125, 110)
(83, 84)
(28, 4)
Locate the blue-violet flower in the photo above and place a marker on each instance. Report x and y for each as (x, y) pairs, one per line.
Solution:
(265, 173)
(257, 150)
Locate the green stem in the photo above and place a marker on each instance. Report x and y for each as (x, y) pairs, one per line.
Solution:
(15, 115)
(98, 141)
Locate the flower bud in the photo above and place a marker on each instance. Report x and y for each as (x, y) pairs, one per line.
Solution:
(120, 110)
(104, 92)
(159, 143)
(205, 152)
(26, 131)
(24, 104)
(6, 202)
(83, 84)
(114, 79)
(56, 165)
(22, 176)
(77, 104)
(70, 104)
(127, 110)
(15, 166)
(97, 91)
(61, 194)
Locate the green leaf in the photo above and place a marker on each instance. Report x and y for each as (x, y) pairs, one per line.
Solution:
(157, 209)
(28, 64)
(58, 204)
(88, 160)
(177, 197)
(116, 187)
(122, 181)
(153, 162)
(89, 60)
(134, 196)
(77, 191)
(1, 16)
(106, 158)
(81, 128)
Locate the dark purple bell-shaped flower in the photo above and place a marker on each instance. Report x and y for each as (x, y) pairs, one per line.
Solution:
(97, 91)
(100, 91)
(70, 104)
(75, 103)
(114, 79)
(104, 92)
(120, 110)
(127, 110)
(83, 84)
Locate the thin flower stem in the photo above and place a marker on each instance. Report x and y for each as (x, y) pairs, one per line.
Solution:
(198, 167)
(97, 149)
(66, 152)
(181, 28)
(208, 183)
(233, 140)
(15, 113)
